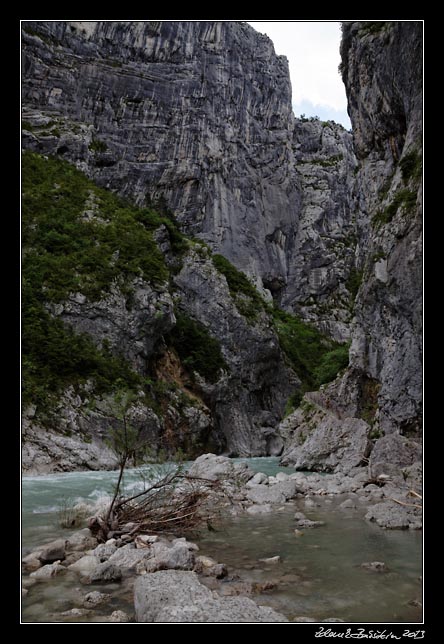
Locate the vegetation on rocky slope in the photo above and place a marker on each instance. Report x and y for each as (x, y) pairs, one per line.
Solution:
(79, 238)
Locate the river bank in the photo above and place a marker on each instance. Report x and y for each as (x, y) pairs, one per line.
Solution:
(313, 572)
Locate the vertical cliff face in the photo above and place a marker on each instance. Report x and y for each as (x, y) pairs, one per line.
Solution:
(198, 114)
(382, 71)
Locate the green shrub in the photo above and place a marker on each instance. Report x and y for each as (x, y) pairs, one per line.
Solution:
(54, 357)
(353, 282)
(197, 349)
(411, 166)
(247, 299)
(373, 27)
(97, 146)
(331, 364)
(405, 199)
(293, 403)
(63, 252)
(66, 252)
(312, 355)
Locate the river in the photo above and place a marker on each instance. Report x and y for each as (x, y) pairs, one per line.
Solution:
(319, 576)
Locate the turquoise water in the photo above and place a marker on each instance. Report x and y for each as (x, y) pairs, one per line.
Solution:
(319, 575)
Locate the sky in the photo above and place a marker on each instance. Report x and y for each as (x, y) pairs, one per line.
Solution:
(312, 49)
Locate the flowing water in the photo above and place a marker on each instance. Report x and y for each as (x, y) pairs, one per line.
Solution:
(319, 576)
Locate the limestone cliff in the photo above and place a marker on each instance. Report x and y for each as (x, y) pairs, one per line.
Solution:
(198, 114)
(195, 119)
(382, 71)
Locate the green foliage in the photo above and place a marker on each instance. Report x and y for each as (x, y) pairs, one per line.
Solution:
(330, 161)
(368, 399)
(247, 299)
(312, 355)
(54, 357)
(197, 349)
(97, 146)
(353, 282)
(380, 254)
(65, 251)
(309, 119)
(293, 403)
(405, 199)
(372, 28)
(331, 364)
(411, 166)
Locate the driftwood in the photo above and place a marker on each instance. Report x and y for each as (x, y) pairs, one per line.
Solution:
(176, 502)
(410, 505)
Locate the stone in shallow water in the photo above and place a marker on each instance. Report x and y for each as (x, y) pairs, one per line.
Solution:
(178, 596)
(105, 572)
(307, 523)
(95, 598)
(119, 616)
(54, 551)
(375, 566)
(85, 564)
(263, 508)
(48, 571)
(271, 560)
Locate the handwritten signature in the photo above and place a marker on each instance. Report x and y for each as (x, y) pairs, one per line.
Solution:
(363, 634)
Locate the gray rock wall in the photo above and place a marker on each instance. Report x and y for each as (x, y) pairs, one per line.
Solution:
(382, 72)
(199, 114)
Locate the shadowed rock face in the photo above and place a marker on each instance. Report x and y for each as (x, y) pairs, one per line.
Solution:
(199, 114)
(382, 72)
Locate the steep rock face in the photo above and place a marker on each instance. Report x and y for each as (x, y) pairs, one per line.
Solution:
(150, 335)
(382, 71)
(325, 240)
(199, 114)
(249, 398)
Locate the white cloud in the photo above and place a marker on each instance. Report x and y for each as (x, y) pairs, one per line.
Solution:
(312, 49)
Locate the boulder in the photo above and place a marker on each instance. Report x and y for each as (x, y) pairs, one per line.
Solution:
(54, 551)
(32, 562)
(85, 565)
(81, 540)
(119, 616)
(209, 567)
(216, 468)
(348, 504)
(178, 555)
(393, 516)
(49, 571)
(178, 596)
(128, 557)
(258, 479)
(105, 572)
(104, 551)
(391, 454)
(95, 598)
